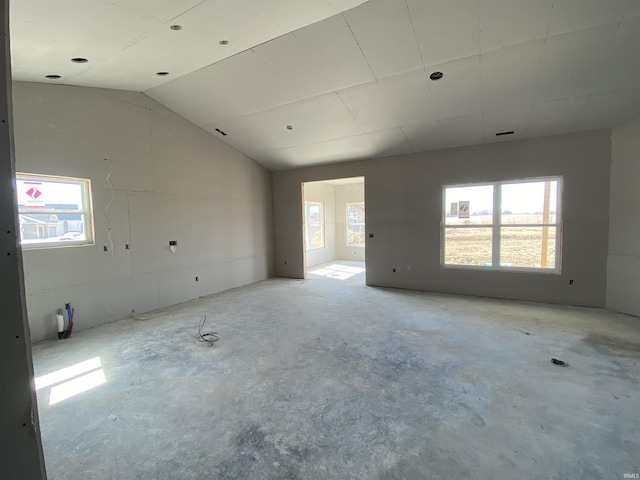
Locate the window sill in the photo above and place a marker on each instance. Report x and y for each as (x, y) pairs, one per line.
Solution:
(543, 271)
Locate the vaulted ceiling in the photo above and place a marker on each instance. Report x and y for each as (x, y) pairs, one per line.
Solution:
(307, 82)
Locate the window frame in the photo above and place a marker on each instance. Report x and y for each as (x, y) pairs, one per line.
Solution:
(307, 224)
(85, 210)
(348, 223)
(496, 225)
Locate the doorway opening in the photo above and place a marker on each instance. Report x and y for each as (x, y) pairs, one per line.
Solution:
(334, 229)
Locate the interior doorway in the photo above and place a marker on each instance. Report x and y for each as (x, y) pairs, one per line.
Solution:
(334, 229)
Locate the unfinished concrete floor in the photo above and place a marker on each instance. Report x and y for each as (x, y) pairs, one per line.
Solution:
(327, 378)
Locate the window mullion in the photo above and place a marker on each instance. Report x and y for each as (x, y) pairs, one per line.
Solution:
(497, 220)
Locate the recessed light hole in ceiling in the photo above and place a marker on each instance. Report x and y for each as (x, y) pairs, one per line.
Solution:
(79, 60)
(176, 27)
(52, 77)
(436, 75)
(162, 74)
(224, 42)
(504, 133)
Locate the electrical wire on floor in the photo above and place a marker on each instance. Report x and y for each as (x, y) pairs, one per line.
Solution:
(209, 337)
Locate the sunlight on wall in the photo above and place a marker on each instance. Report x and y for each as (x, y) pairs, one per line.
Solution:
(71, 381)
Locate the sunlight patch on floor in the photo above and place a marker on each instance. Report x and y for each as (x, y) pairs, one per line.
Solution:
(71, 381)
(337, 271)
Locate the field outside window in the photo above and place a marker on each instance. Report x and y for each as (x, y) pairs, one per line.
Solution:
(503, 225)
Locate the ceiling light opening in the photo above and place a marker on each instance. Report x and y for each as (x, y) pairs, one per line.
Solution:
(221, 132)
(504, 133)
(176, 27)
(436, 76)
(224, 42)
(79, 60)
(162, 74)
(52, 77)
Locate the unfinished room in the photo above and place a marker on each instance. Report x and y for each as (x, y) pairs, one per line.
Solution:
(320, 239)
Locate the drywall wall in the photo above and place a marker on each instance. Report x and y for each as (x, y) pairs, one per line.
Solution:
(350, 193)
(623, 267)
(155, 177)
(20, 439)
(325, 194)
(404, 200)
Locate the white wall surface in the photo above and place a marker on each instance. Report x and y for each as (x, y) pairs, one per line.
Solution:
(623, 269)
(155, 177)
(350, 193)
(325, 194)
(404, 201)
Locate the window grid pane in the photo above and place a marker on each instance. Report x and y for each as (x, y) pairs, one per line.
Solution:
(355, 224)
(468, 246)
(532, 247)
(314, 225)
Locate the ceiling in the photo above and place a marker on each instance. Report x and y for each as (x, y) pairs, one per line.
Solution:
(307, 82)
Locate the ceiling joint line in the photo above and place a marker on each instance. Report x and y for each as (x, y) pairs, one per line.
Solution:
(415, 36)
(606, 55)
(188, 10)
(359, 46)
(337, 93)
(536, 83)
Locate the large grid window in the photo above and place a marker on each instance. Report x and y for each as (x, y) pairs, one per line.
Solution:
(355, 224)
(503, 225)
(54, 211)
(314, 225)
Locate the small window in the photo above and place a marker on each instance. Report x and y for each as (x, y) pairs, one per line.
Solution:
(511, 225)
(355, 224)
(54, 211)
(314, 225)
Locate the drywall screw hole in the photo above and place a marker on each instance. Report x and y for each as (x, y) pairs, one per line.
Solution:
(17, 336)
(24, 424)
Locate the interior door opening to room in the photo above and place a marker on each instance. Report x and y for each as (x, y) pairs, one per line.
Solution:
(334, 229)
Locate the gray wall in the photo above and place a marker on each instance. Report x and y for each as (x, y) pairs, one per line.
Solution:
(623, 272)
(155, 178)
(350, 193)
(326, 194)
(403, 201)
